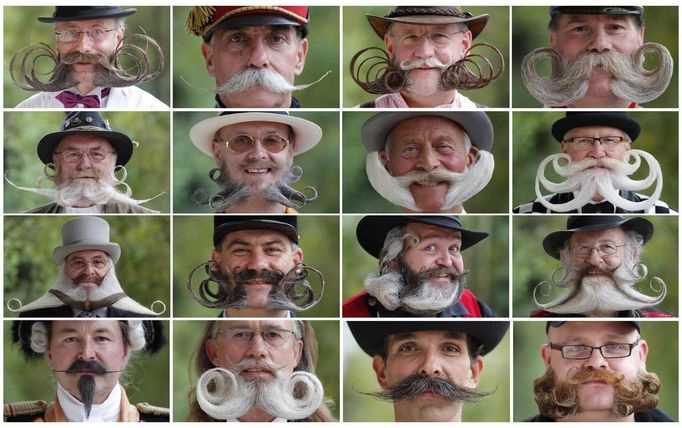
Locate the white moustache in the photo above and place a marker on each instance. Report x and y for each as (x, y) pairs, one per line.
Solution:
(431, 62)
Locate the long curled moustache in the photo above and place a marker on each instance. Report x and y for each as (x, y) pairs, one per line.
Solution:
(27, 61)
(377, 74)
(584, 184)
(569, 79)
(293, 292)
(414, 385)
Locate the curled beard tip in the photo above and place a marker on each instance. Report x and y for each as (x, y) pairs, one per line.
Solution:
(12, 307)
(474, 71)
(220, 395)
(376, 74)
(657, 285)
(207, 297)
(156, 303)
(298, 291)
(544, 289)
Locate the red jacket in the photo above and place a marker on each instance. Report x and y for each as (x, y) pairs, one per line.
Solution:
(467, 307)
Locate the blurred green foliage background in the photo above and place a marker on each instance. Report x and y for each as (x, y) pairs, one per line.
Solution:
(193, 242)
(148, 169)
(532, 265)
(530, 32)
(186, 334)
(22, 28)
(146, 378)
(359, 377)
(358, 34)
(320, 165)
(190, 73)
(142, 270)
(533, 142)
(487, 261)
(529, 336)
(360, 197)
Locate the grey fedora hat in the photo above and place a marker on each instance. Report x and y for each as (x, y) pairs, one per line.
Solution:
(476, 123)
(85, 233)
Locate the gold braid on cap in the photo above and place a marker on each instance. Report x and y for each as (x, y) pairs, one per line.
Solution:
(197, 19)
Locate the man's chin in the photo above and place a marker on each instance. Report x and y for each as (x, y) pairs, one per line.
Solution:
(255, 97)
(429, 197)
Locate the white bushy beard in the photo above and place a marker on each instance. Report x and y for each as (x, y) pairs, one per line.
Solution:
(109, 286)
(585, 180)
(462, 185)
(413, 292)
(98, 191)
(614, 291)
(226, 396)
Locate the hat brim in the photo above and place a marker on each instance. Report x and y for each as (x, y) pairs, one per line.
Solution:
(119, 141)
(307, 134)
(623, 122)
(372, 230)
(92, 15)
(371, 335)
(284, 228)
(60, 253)
(380, 24)
(555, 240)
(476, 124)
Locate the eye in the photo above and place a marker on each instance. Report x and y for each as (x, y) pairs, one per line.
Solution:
(580, 29)
(236, 38)
(273, 250)
(615, 27)
(102, 339)
(278, 38)
(410, 150)
(575, 348)
(430, 248)
(240, 251)
(445, 147)
(455, 249)
(440, 37)
(273, 334)
(407, 347)
(451, 348)
(71, 339)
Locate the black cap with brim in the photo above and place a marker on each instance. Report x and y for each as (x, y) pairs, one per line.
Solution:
(287, 225)
(82, 13)
(596, 10)
(557, 324)
(371, 231)
(590, 223)
(612, 119)
(476, 124)
(371, 335)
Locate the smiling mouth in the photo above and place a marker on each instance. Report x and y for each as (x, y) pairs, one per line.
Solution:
(429, 183)
(257, 171)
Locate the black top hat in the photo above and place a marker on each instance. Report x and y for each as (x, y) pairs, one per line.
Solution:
(428, 15)
(579, 119)
(371, 335)
(82, 13)
(287, 225)
(557, 324)
(597, 10)
(154, 336)
(90, 123)
(590, 223)
(371, 231)
(476, 124)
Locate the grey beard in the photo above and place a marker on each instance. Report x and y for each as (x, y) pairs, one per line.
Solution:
(569, 81)
(414, 385)
(86, 387)
(233, 193)
(108, 287)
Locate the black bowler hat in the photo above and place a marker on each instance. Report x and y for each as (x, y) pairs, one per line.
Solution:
(590, 223)
(597, 10)
(287, 225)
(557, 324)
(371, 335)
(613, 119)
(154, 335)
(371, 231)
(82, 13)
(90, 123)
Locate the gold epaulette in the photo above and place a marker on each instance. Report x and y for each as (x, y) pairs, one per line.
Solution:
(25, 408)
(148, 409)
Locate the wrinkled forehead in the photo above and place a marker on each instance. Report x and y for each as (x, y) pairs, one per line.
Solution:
(592, 332)
(256, 128)
(418, 126)
(566, 19)
(87, 327)
(399, 28)
(595, 131)
(107, 23)
(429, 231)
(615, 234)
(257, 324)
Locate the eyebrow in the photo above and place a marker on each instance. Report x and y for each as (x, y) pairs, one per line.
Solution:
(237, 242)
(580, 19)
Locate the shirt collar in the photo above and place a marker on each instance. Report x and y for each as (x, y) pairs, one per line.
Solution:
(74, 410)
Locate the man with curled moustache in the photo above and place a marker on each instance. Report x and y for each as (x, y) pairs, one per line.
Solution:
(88, 358)
(596, 372)
(256, 269)
(421, 269)
(254, 154)
(428, 369)
(597, 55)
(90, 42)
(600, 260)
(429, 162)
(596, 160)
(81, 159)
(257, 371)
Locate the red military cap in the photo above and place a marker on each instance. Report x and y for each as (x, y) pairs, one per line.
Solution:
(203, 20)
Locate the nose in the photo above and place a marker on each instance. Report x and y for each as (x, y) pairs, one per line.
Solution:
(430, 364)
(596, 360)
(424, 49)
(428, 160)
(258, 57)
(87, 351)
(595, 258)
(84, 162)
(257, 261)
(89, 268)
(445, 259)
(597, 151)
(84, 43)
(600, 42)
(257, 150)
(257, 347)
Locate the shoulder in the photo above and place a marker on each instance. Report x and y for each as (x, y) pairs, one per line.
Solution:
(25, 411)
(659, 207)
(135, 98)
(653, 415)
(462, 101)
(538, 418)
(41, 100)
(151, 413)
(52, 207)
(536, 207)
(650, 312)
(357, 305)
(474, 306)
(54, 312)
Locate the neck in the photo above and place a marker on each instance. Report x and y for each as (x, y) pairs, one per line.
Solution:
(84, 87)
(281, 101)
(598, 416)
(405, 413)
(257, 205)
(255, 313)
(256, 415)
(439, 98)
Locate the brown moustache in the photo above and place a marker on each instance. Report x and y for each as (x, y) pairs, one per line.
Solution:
(589, 373)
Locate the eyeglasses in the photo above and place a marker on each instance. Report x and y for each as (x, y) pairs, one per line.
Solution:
(586, 143)
(242, 143)
(584, 352)
(438, 39)
(73, 156)
(273, 337)
(603, 248)
(71, 35)
(80, 264)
